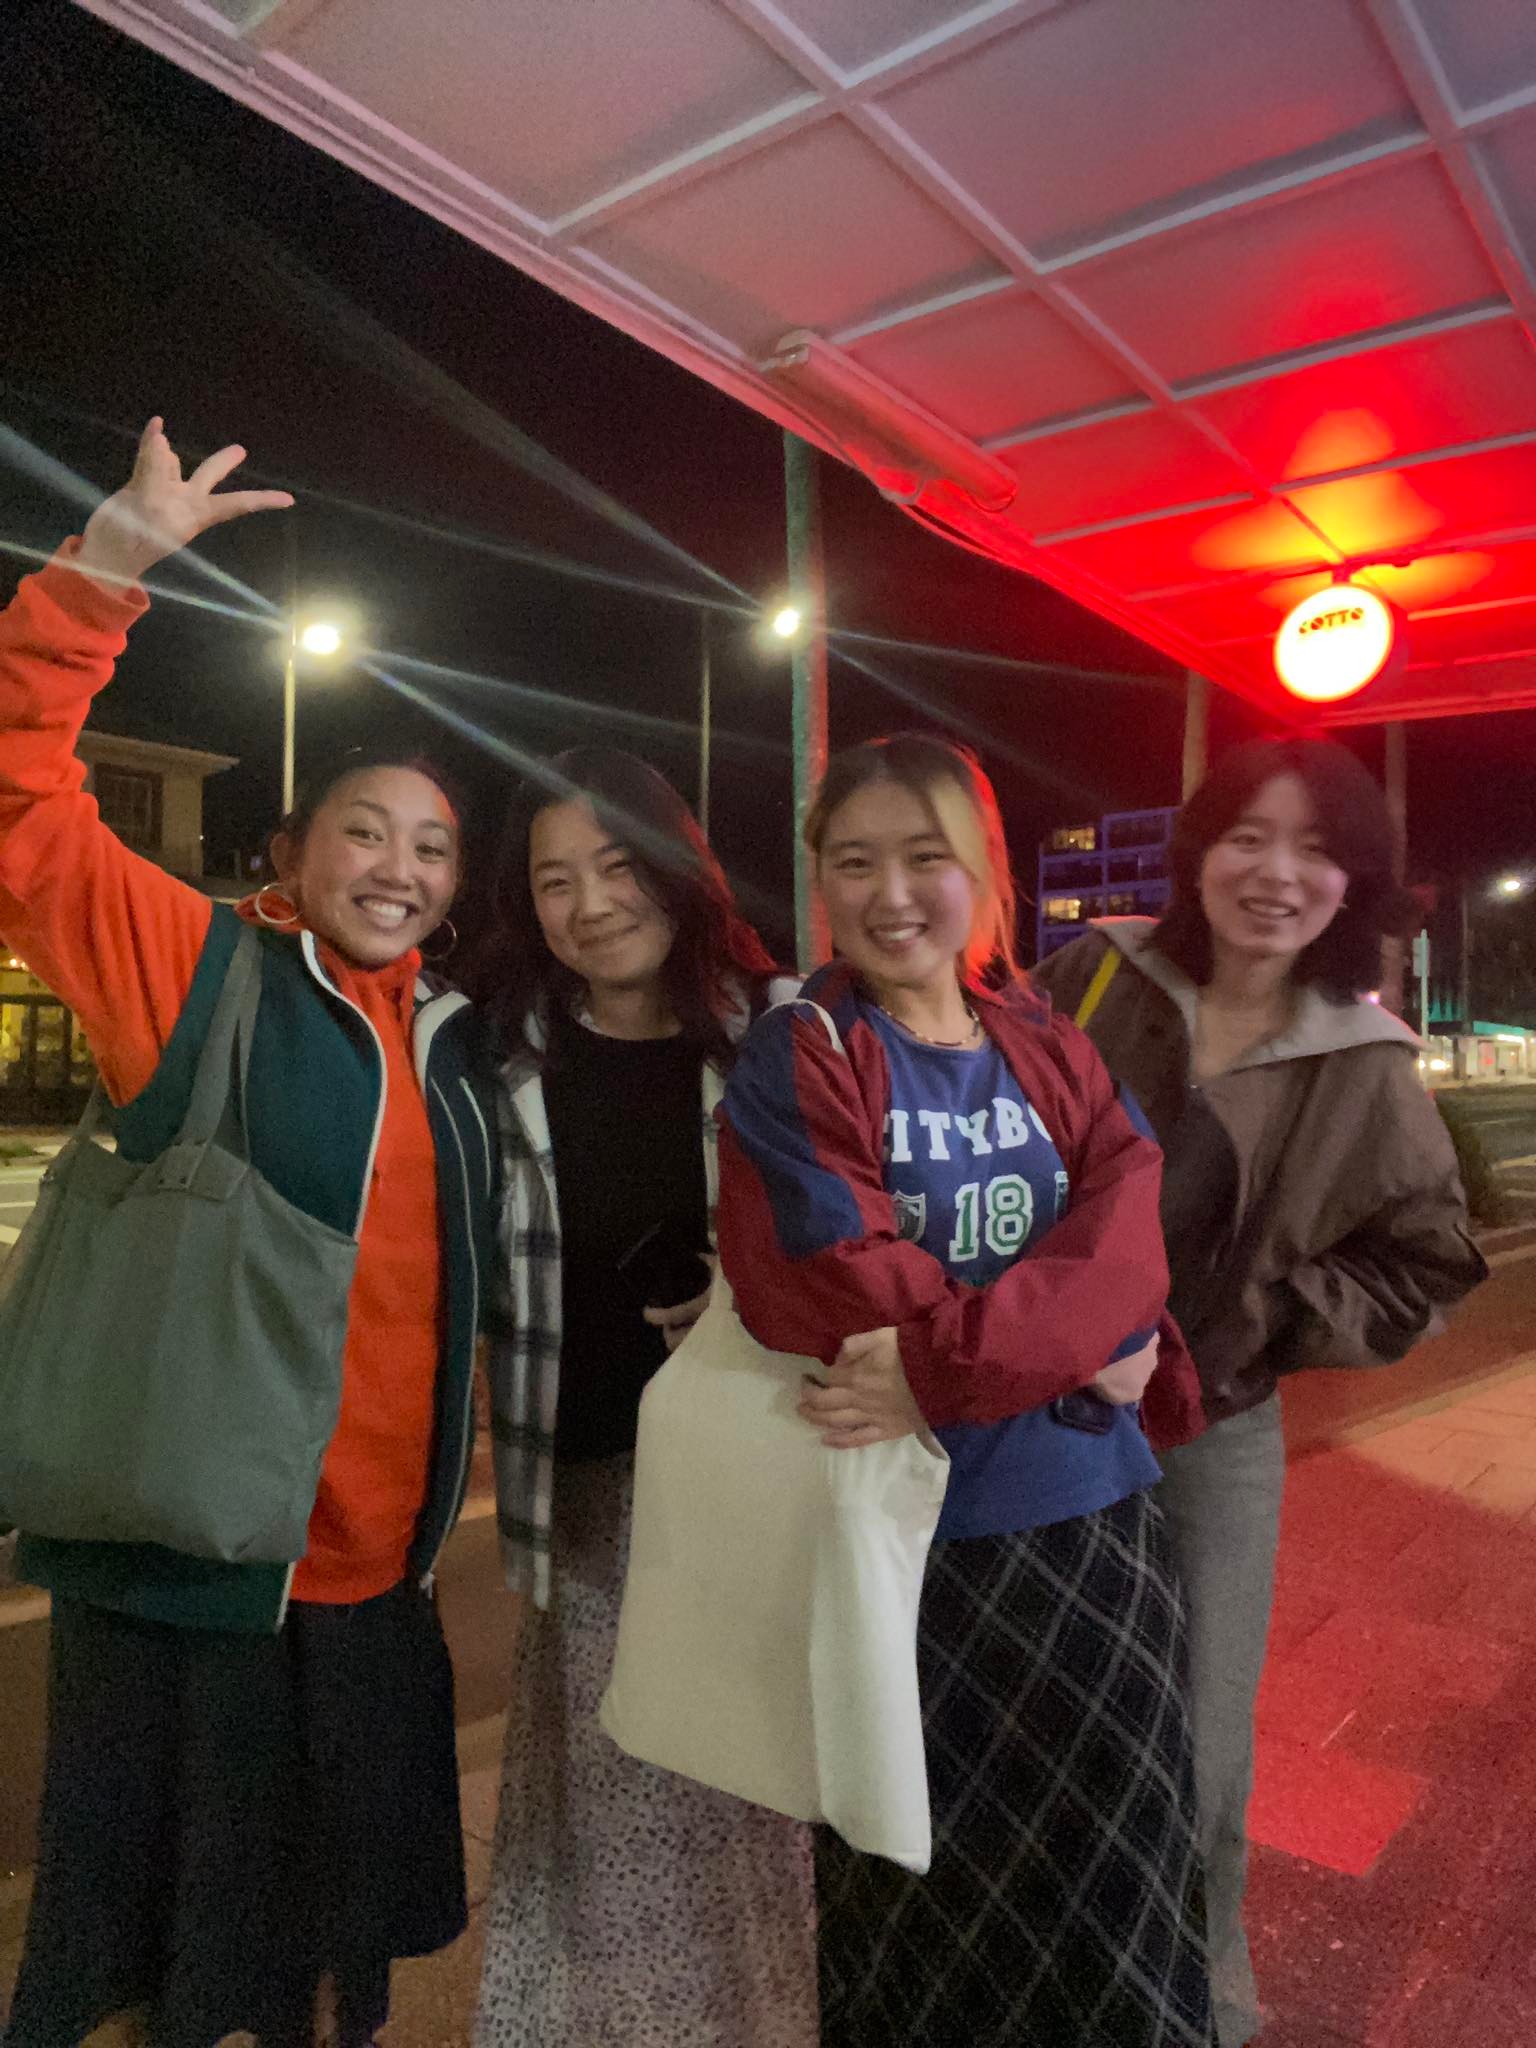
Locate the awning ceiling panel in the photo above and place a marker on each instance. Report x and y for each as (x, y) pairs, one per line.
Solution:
(1240, 293)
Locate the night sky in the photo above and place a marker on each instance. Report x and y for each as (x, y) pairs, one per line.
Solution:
(164, 250)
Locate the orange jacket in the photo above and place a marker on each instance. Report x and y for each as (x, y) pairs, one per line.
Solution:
(118, 939)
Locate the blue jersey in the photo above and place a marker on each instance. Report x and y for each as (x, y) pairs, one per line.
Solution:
(975, 1180)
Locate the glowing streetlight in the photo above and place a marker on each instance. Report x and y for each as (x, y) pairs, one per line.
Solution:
(1483, 889)
(784, 624)
(321, 635)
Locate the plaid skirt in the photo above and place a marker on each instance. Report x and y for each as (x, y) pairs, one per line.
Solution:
(1064, 1907)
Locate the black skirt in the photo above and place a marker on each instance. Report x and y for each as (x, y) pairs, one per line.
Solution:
(1064, 1907)
(228, 1819)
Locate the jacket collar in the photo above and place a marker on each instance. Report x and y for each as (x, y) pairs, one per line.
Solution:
(1320, 1025)
(522, 1072)
(340, 975)
(837, 988)
(536, 1024)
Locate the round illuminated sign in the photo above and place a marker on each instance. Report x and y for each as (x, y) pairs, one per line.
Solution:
(1334, 642)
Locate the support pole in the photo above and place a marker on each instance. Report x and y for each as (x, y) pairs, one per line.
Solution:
(1466, 956)
(807, 582)
(1421, 957)
(290, 709)
(1397, 790)
(1197, 702)
(704, 716)
(290, 665)
(1397, 804)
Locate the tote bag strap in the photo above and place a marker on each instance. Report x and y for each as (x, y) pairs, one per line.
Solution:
(92, 1117)
(827, 1024)
(233, 1019)
(234, 1025)
(1093, 995)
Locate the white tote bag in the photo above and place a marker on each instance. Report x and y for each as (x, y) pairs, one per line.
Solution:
(768, 1639)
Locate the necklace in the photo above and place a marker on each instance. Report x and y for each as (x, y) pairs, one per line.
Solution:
(971, 1039)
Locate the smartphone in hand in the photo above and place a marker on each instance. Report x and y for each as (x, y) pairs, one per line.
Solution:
(666, 1266)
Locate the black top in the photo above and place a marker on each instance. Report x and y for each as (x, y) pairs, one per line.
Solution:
(627, 1125)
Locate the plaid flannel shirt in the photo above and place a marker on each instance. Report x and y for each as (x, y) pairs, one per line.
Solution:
(526, 1325)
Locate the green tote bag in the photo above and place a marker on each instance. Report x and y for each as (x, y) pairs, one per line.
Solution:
(171, 1333)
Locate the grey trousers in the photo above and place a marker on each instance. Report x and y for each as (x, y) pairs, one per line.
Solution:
(1221, 1495)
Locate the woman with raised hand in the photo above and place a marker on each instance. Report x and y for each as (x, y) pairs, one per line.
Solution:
(629, 1908)
(948, 1206)
(1312, 1206)
(251, 1800)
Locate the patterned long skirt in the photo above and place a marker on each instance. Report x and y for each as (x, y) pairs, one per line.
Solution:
(630, 1908)
(1064, 1906)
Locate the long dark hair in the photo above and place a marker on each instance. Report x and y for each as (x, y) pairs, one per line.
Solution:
(716, 958)
(1356, 826)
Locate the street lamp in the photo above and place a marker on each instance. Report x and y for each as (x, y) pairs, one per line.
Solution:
(782, 624)
(1504, 889)
(321, 635)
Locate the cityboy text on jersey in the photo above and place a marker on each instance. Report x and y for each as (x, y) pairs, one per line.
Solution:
(1002, 1128)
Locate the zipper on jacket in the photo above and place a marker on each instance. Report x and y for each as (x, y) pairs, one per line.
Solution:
(306, 943)
(485, 1136)
(461, 1476)
(327, 984)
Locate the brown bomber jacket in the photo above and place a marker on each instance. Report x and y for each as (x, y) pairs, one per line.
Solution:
(1312, 1205)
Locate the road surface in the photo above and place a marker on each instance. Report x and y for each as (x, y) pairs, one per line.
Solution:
(18, 1192)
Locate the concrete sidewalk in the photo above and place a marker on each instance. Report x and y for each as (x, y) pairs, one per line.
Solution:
(1394, 1884)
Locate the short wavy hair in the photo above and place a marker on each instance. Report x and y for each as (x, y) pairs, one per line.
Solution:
(1344, 961)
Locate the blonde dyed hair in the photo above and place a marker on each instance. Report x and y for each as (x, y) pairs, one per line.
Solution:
(953, 784)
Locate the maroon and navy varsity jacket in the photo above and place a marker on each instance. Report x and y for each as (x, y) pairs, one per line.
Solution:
(810, 1242)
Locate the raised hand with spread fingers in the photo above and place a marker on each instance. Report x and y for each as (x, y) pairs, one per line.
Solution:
(159, 510)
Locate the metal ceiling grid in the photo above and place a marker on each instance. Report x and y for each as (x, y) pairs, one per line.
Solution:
(1240, 292)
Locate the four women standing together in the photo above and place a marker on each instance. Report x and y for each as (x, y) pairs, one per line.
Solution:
(251, 1798)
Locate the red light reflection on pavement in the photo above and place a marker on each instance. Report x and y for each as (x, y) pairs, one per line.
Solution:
(1393, 1901)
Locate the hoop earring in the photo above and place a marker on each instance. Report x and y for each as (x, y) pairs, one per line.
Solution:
(285, 923)
(432, 959)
